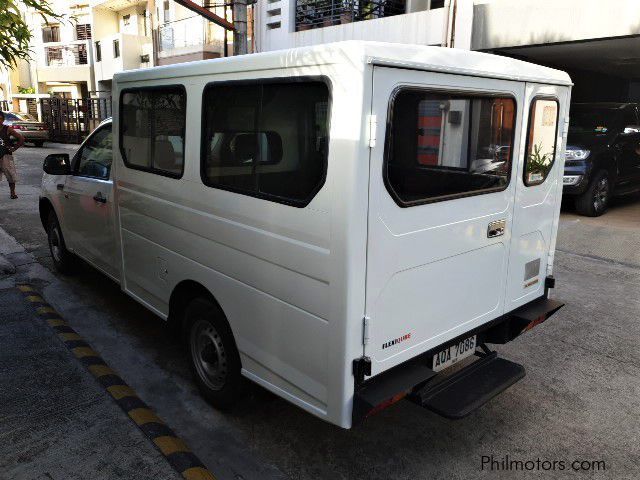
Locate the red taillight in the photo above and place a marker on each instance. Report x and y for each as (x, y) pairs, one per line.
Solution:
(386, 403)
(17, 127)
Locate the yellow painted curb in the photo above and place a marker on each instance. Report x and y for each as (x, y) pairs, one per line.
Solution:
(197, 473)
(143, 415)
(169, 445)
(56, 322)
(121, 391)
(65, 337)
(82, 352)
(101, 370)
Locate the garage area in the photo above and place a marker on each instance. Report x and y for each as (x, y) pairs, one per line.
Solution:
(603, 70)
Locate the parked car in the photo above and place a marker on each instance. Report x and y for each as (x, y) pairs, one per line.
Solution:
(602, 158)
(323, 223)
(31, 129)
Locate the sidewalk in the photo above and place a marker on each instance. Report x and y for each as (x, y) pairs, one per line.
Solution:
(56, 421)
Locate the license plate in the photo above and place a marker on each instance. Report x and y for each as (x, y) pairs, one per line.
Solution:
(453, 354)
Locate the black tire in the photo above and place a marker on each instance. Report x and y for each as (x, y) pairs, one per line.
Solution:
(39, 143)
(63, 259)
(595, 201)
(213, 355)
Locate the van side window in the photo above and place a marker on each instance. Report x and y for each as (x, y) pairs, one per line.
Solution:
(541, 141)
(152, 127)
(444, 145)
(266, 139)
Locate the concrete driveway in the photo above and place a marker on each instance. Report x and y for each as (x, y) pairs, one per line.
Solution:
(580, 400)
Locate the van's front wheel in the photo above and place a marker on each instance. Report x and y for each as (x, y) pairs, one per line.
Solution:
(213, 355)
(63, 260)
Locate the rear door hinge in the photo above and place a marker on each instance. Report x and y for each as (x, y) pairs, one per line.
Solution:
(373, 128)
(366, 321)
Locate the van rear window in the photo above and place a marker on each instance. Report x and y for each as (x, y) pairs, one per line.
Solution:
(266, 139)
(444, 145)
(152, 129)
(541, 140)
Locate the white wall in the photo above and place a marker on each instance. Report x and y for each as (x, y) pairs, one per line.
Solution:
(508, 23)
(424, 27)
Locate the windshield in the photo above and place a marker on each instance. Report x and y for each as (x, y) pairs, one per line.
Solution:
(595, 121)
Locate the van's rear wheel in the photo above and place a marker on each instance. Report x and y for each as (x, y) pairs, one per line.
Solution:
(213, 355)
(595, 200)
(63, 260)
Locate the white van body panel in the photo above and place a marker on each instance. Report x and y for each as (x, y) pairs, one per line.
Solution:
(296, 283)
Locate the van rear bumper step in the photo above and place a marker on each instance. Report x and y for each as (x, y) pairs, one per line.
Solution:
(389, 387)
(468, 389)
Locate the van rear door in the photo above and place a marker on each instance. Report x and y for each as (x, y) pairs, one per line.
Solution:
(538, 193)
(440, 208)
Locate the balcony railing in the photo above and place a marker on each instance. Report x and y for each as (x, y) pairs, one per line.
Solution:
(324, 13)
(188, 32)
(66, 55)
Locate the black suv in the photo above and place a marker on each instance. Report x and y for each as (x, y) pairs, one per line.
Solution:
(602, 157)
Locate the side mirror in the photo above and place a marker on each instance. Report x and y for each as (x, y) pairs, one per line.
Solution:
(57, 164)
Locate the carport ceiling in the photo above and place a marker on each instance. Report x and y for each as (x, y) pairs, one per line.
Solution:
(619, 57)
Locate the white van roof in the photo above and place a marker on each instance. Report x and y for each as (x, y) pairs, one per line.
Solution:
(357, 52)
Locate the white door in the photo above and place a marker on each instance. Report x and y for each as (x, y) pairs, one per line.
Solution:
(538, 192)
(441, 201)
(88, 196)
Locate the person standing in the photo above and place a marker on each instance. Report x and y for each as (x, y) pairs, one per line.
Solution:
(7, 165)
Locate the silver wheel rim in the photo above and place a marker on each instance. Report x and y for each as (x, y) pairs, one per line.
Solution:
(601, 194)
(208, 354)
(55, 244)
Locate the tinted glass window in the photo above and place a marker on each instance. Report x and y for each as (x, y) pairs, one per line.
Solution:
(446, 145)
(95, 157)
(541, 141)
(152, 123)
(267, 140)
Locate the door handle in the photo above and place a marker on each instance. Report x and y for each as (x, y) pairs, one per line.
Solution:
(99, 198)
(496, 228)
(60, 186)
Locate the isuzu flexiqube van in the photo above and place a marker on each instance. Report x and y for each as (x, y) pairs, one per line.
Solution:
(346, 225)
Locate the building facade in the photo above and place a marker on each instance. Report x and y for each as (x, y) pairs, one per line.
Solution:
(596, 42)
(75, 57)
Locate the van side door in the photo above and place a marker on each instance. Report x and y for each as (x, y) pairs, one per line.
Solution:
(88, 196)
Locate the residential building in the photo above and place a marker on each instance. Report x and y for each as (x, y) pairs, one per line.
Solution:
(185, 36)
(596, 42)
(122, 39)
(292, 23)
(62, 57)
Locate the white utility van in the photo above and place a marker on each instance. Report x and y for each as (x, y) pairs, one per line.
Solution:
(339, 224)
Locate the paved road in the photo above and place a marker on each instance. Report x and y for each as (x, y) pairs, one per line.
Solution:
(580, 399)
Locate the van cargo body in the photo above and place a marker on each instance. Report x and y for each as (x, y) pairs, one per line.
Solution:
(365, 215)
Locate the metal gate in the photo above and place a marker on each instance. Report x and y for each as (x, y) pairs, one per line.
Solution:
(71, 120)
(4, 105)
